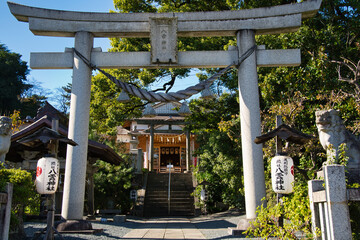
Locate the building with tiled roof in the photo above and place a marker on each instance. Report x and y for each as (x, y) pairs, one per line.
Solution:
(162, 139)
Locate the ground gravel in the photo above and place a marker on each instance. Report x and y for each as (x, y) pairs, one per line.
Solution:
(110, 231)
(214, 226)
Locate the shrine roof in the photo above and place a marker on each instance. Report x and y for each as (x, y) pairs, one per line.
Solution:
(286, 133)
(52, 113)
(166, 118)
(95, 149)
(161, 120)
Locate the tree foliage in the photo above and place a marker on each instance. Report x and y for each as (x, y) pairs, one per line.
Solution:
(112, 186)
(16, 92)
(217, 131)
(13, 72)
(63, 98)
(105, 111)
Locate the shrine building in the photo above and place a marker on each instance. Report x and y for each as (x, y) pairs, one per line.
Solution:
(162, 139)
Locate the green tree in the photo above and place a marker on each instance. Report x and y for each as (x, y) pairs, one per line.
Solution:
(330, 35)
(63, 98)
(112, 184)
(16, 92)
(217, 132)
(106, 113)
(13, 82)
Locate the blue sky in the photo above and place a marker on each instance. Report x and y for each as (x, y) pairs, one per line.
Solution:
(18, 38)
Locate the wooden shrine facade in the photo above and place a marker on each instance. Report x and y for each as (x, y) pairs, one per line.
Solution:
(162, 139)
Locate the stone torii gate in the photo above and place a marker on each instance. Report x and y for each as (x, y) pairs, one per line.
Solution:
(163, 30)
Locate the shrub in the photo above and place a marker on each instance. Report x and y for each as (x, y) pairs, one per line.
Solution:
(25, 199)
(296, 214)
(112, 183)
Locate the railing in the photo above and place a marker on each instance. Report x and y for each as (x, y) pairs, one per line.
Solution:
(329, 204)
(169, 188)
(174, 170)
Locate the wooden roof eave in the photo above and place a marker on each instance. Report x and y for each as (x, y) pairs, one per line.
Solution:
(95, 149)
(286, 133)
(42, 122)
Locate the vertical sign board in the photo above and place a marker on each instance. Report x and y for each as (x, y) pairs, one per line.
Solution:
(282, 174)
(163, 36)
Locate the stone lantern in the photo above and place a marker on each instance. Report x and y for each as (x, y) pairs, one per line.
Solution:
(134, 141)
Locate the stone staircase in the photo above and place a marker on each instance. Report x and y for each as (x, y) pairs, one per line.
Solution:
(156, 198)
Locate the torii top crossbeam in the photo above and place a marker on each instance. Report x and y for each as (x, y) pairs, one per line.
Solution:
(277, 19)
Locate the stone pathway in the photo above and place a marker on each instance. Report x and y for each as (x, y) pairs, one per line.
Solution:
(165, 228)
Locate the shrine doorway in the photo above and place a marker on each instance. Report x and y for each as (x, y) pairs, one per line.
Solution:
(170, 155)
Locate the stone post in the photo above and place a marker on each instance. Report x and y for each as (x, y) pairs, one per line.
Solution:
(76, 156)
(188, 150)
(336, 200)
(254, 179)
(6, 214)
(315, 186)
(90, 195)
(139, 161)
(151, 163)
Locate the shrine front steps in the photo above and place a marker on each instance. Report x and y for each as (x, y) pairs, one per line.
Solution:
(181, 199)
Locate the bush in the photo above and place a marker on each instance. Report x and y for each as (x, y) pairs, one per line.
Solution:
(296, 214)
(112, 183)
(25, 199)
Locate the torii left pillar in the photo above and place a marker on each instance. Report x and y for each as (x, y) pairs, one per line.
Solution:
(76, 156)
(254, 178)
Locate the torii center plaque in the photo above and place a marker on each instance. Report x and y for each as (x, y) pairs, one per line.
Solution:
(163, 29)
(163, 36)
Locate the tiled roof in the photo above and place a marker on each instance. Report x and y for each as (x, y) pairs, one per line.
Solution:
(95, 149)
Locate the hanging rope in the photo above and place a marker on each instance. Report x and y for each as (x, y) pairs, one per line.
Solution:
(170, 96)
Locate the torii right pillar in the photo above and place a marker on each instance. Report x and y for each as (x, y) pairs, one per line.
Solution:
(252, 155)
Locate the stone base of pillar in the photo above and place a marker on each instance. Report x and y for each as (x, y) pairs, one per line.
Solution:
(119, 218)
(241, 227)
(76, 226)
